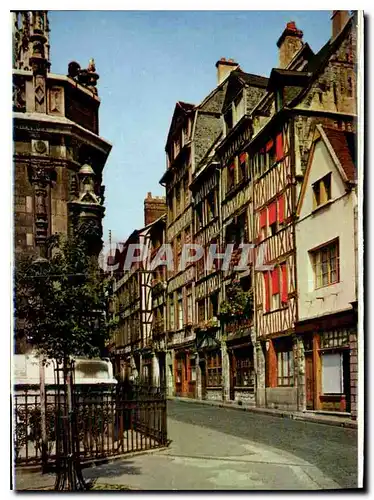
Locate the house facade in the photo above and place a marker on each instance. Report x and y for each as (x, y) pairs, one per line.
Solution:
(139, 337)
(327, 272)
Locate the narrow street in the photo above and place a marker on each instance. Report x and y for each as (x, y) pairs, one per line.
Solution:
(221, 449)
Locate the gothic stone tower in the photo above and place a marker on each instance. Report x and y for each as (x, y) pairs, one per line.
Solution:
(56, 143)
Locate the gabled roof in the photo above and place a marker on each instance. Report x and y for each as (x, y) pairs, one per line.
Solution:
(181, 109)
(343, 144)
(250, 79)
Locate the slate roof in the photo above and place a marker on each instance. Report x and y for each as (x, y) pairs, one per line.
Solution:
(344, 146)
(250, 79)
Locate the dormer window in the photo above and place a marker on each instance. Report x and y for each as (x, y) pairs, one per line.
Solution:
(228, 120)
(239, 108)
(279, 99)
(322, 191)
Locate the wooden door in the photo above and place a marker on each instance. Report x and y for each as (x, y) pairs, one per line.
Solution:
(309, 381)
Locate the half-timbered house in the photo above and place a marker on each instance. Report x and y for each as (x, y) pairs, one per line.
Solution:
(306, 90)
(243, 92)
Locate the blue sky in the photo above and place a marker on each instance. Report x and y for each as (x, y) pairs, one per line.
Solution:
(149, 60)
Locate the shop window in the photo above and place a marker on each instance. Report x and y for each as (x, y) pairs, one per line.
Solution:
(193, 369)
(179, 373)
(214, 369)
(322, 191)
(285, 368)
(244, 370)
(325, 262)
(332, 373)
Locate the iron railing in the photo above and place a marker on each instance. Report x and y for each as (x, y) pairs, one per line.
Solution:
(109, 421)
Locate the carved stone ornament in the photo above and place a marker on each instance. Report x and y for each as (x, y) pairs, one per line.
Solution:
(90, 229)
(40, 147)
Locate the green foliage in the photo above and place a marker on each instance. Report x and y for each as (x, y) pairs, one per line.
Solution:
(61, 304)
(238, 303)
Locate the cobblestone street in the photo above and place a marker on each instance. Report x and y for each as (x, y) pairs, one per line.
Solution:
(220, 449)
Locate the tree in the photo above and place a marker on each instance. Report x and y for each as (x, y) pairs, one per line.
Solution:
(61, 304)
(61, 309)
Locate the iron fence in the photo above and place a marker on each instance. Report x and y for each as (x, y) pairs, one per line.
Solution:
(109, 421)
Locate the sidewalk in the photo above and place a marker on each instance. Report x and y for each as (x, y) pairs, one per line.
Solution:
(201, 458)
(309, 416)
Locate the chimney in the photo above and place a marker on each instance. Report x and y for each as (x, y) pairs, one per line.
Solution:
(224, 68)
(339, 20)
(154, 207)
(289, 43)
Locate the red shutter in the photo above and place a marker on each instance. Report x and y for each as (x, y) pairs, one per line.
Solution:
(269, 145)
(281, 208)
(267, 291)
(275, 281)
(272, 213)
(279, 146)
(232, 166)
(242, 158)
(263, 218)
(284, 283)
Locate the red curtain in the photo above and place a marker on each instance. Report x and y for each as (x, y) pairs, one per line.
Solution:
(272, 213)
(275, 280)
(269, 145)
(267, 291)
(279, 146)
(242, 157)
(284, 283)
(263, 218)
(281, 208)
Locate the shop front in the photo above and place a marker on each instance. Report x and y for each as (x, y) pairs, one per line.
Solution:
(185, 373)
(210, 363)
(330, 367)
(241, 363)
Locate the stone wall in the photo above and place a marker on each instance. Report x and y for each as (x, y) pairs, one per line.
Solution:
(213, 394)
(282, 398)
(246, 396)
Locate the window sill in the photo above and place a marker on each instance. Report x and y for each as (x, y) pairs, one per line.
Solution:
(214, 387)
(324, 286)
(322, 206)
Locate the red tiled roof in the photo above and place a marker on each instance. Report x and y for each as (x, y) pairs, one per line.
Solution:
(344, 145)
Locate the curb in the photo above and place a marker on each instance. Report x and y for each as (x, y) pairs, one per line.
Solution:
(264, 411)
